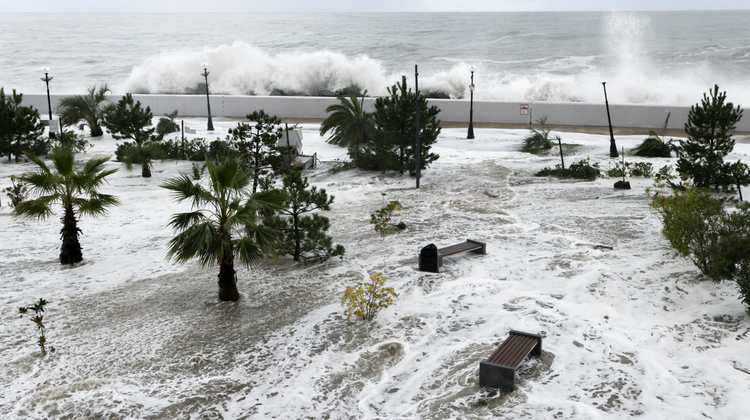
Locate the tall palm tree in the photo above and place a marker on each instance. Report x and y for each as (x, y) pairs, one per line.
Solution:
(225, 223)
(86, 109)
(75, 188)
(348, 122)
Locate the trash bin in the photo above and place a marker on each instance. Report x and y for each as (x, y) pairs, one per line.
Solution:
(429, 259)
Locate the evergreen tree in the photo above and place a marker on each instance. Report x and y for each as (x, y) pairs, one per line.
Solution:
(709, 142)
(393, 146)
(76, 189)
(20, 127)
(305, 234)
(257, 146)
(740, 173)
(129, 121)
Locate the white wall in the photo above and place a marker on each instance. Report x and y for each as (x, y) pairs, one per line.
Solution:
(454, 110)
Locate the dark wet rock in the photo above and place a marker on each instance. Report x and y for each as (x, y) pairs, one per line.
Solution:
(200, 89)
(437, 95)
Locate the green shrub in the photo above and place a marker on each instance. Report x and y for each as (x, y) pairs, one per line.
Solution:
(192, 149)
(368, 298)
(17, 193)
(382, 218)
(642, 169)
(77, 142)
(547, 171)
(583, 170)
(700, 228)
(198, 171)
(619, 171)
(690, 221)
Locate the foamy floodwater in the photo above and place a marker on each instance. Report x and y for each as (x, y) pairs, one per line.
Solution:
(630, 328)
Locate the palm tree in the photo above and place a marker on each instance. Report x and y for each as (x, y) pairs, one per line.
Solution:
(75, 188)
(88, 109)
(228, 228)
(348, 122)
(656, 145)
(538, 139)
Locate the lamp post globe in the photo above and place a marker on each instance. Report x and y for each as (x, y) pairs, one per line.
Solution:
(208, 101)
(470, 135)
(46, 79)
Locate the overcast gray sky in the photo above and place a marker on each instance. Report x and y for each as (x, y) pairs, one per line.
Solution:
(226, 6)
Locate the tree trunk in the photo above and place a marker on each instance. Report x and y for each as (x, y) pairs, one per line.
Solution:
(297, 248)
(70, 252)
(97, 132)
(228, 280)
(145, 170)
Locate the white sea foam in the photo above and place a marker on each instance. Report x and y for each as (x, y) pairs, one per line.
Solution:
(663, 58)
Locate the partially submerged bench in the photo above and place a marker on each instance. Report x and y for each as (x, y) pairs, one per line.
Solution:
(431, 258)
(499, 371)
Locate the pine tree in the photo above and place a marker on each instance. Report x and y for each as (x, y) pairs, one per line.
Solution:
(257, 146)
(20, 127)
(393, 146)
(709, 142)
(305, 235)
(129, 121)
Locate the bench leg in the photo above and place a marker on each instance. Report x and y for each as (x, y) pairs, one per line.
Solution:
(497, 376)
(482, 250)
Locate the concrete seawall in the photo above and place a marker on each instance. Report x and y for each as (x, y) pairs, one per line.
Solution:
(451, 110)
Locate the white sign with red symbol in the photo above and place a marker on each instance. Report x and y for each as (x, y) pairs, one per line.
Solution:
(524, 109)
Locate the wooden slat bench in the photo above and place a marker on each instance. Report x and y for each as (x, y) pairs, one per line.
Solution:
(499, 371)
(431, 258)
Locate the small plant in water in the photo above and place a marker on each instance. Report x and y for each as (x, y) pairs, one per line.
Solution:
(368, 298)
(198, 170)
(18, 192)
(38, 319)
(382, 217)
(583, 169)
(642, 169)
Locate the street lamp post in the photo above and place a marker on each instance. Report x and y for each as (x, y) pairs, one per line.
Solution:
(471, 105)
(612, 145)
(208, 102)
(46, 79)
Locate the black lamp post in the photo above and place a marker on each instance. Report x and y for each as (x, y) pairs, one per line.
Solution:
(46, 79)
(612, 145)
(208, 102)
(471, 106)
(416, 113)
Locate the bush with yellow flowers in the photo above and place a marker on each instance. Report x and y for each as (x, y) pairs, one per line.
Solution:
(368, 298)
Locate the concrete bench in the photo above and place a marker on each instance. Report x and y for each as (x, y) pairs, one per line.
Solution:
(431, 258)
(499, 370)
